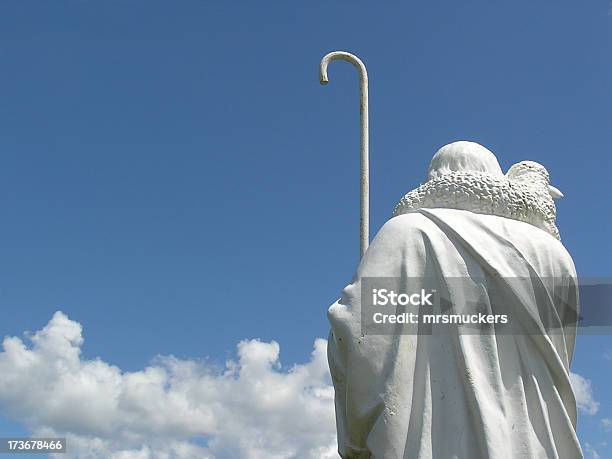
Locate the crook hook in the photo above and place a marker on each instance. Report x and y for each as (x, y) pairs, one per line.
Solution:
(342, 56)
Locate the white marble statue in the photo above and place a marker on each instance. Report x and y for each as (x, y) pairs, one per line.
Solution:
(449, 390)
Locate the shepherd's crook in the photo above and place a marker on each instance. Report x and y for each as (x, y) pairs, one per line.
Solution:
(364, 237)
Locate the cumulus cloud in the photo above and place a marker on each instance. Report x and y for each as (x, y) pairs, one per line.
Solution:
(590, 452)
(584, 394)
(606, 424)
(252, 408)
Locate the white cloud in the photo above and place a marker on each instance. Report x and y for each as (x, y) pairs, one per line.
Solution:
(590, 452)
(173, 408)
(606, 424)
(608, 354)
(584, 394)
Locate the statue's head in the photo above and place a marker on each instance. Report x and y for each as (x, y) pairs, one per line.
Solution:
(463, 156)
(535, 173)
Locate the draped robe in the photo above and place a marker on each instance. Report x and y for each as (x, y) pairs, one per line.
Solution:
(450, 393)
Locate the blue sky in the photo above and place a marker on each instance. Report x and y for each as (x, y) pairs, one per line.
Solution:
(175, 179)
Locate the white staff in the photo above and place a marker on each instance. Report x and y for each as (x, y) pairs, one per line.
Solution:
(364, 220)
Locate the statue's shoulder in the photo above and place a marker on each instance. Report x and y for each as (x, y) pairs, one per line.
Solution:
(407, 229)
(409, 222)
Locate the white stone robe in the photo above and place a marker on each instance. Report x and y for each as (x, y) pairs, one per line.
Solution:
(451, 394)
